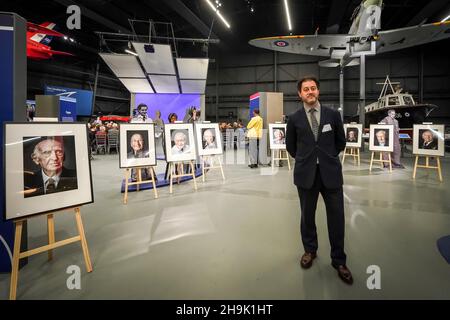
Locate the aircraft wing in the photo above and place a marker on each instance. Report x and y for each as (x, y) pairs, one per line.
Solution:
(402, 38)
(31, 27)
(322, 45)
(61, 53)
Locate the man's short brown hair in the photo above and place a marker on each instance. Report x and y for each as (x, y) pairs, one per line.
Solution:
(256, 111)
(307, 78)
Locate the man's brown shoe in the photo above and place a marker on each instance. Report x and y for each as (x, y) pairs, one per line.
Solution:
(307, 259)
(345, 274)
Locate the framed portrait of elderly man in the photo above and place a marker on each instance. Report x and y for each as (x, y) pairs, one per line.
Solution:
(277, 135)
(381, 137)
(46, 168)
(353, 133)
(179, 142)
(209, 139)
(428, 140)
(137, 145)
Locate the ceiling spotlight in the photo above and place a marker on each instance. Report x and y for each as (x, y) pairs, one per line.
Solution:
(65, 38)
(288, 15)
(252, 10)
(71, 40)
(218, 13)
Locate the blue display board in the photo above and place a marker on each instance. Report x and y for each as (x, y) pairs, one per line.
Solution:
(67, 109)
(83, 98)
(254, 104)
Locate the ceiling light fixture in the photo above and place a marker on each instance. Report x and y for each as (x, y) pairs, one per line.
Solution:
(218, 13)
(131, 52)
(288, 15)
(448, 17)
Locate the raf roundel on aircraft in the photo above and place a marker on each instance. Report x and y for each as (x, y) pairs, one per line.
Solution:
(281, 43)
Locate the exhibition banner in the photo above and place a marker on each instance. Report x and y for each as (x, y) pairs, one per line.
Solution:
(83, 98)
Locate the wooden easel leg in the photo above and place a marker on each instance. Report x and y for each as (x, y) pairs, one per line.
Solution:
(153, 182)
(221, 168)
(287, 159)
(125, 196)
(273, 160)
(415, 167)
(371, 162)
(359, 158)
(439, 168)
(180, 166)
(343, 156)
(381, 160)
(51, 233)
(15, 263)
(139, 178)
(354, 156)
(202, 159)
(193, 174)
(390, 162)
(84, 245)
(171, 169)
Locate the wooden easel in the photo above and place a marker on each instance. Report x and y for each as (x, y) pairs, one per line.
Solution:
(138, 182)
(354, 152)
(52, 244)
(212, 159)
(427, 165)
(381, 161)
(277, 154)
(180, 165)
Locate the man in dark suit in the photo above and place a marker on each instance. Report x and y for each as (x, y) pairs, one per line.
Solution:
(53, 177)
(314, 137)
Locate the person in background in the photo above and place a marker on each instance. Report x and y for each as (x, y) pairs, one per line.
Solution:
(395, 158)
(158, 121)
(141, 115)
(172, 117)
(254, 135)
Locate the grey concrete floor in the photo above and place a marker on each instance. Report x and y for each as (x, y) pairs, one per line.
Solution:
(239, 239)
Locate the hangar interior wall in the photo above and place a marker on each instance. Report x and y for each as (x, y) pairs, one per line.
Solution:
(423, 71)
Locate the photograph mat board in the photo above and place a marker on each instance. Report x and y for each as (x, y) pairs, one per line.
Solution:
(200, 129)
(389, 128)
(272, 128)
(358, 128)
(438, 134)
(125, 147)
(171, 129)
(16, 205)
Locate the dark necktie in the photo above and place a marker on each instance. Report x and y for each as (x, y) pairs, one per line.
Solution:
(51, 187)
(314, 124)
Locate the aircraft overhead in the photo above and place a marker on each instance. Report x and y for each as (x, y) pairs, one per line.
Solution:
(342, 49)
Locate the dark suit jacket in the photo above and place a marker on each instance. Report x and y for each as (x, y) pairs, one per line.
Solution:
(301, 145)
(34, 186)
(432, 145)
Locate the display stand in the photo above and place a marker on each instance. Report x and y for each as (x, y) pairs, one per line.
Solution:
(277, 154)
(180, 165)
(353, 152)
(138, 182)
(52, 244)
(212, 160)
(381, 160)
(427, 165)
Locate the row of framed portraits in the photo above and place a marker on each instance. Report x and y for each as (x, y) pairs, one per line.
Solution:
(182, 142)
(428, 139)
